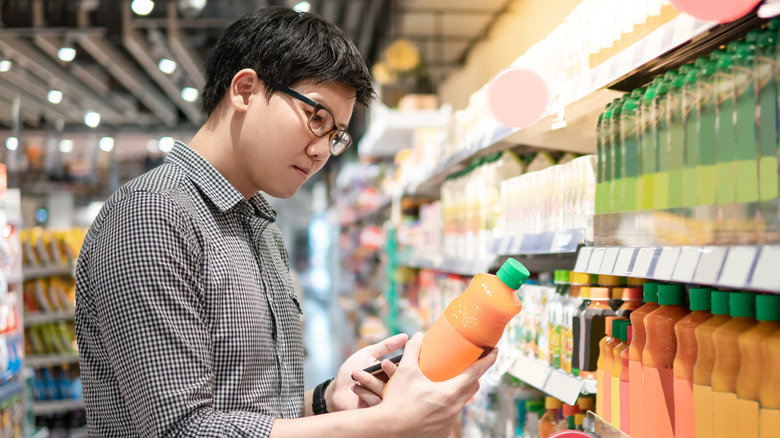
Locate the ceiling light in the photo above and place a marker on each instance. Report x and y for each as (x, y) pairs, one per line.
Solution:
(92, 119)
(66, 54)
(189, 94)
(5, 65)
(302, 7)
(151, 146)
(167, 66)
(66, 146)
(197, 4)
(165, 144)
(54, 96)
(106, 144)
(11, 143)
(142, 7)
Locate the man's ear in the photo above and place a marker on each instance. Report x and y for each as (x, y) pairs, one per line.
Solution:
(243, 85)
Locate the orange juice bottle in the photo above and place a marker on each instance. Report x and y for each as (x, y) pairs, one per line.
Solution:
(742, 308)
(619, 330)
(472, 322)
(550, 418)
(752, 367)
(580, 291)
(685, 359)
(632, 300)
(658, 360)
(635, 352)
(705, 358)
(604, 372)
(769, 394)
(626, 335)
(614, 284)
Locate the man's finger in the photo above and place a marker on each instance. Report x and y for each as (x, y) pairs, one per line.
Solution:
(368, 397)
(368, 381)
(412, 350)
(387, 346)
(389, 368)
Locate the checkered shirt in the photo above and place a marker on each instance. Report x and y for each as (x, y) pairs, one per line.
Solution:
(186, 319)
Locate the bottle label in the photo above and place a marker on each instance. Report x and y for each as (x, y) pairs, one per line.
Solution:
(724, 407)
(684, 422)
(637, 405)
(747, 417)
(659, 402)
(769, 420)
(615, 394)
(702, 405)
(625, 410)
(600, 390)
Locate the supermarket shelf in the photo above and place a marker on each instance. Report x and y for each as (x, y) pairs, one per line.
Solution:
(10, 389)
(449, 265)
(390, 130)
(373, 214)
(56, 406)
(552, 381)
(551, 242)
(49, 360)
(737, 267)
(604, 428)
(41, 433)
(35, 272)
(37, 318)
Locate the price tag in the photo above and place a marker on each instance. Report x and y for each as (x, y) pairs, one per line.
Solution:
(608, 264)
(766, 277)
(666, 263)
(595, 260)
(642, 263)
(624, 262)
(563, 386)
(583, 258)
(710, 263)
(686, 265)
(739, 262)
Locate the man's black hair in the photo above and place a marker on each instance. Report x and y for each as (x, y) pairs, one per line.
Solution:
(285, 46)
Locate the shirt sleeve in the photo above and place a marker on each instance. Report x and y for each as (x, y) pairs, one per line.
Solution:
(145, 265)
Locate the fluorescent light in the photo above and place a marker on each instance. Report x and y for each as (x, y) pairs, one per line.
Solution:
(106, 144)
(66, 146)
(54, 96)
(167, 66)
(92, 119)
(189, 94)
(66, 54)
(165, 144)
(5, 65)
(151, 146)
(11, 143)
(197, 4)
(558, 125)
(142, 7)
(303, 7)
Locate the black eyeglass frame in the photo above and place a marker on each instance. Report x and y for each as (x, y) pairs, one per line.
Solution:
(317, 106)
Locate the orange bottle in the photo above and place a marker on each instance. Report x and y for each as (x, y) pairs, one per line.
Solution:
(550, 418)
(619, 331)
(626, 335)
(632, 300)
(752, 367)
(742, 308)
(685, 360)
(769, 394)
(635, 352)
(658, 360)
(472, 322)
(604, 372)
(705, 358)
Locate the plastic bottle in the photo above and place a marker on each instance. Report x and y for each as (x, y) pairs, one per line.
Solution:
(648, 150)
(472, 322)
(658, 360)
(726, 181)
(578, 420)
(635, 351)
(705, 358)
(604, 370)
(616, 179)
(550, 418)
(626, 335)
(766, 89)
(569, 309)
(602, 143)
(594, 318)
(752, 368)
(607, 149)
(632, 300)
(708, 156)
(569, 411)
(742, 308)
(690, 116)
(746, 129)
(619, 331)
(685, 360)
(629, 139)
(661, 177)
(769, 394)
(676, 154)
(614, 284)
(579, 284)
(555, 317)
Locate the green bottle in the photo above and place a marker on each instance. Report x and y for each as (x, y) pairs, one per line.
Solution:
(606, 147)
(690, 120)
(674, 116)
(725, 191)
(661, 190)
(648, 149)
(600, 162)
(630, 138)
(766, 91)
(708, 171)
(616, 180)
(746, 140)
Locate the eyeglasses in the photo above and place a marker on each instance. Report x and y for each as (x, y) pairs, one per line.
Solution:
(321, 122)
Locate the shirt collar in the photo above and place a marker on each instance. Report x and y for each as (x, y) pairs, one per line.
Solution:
(215, 186)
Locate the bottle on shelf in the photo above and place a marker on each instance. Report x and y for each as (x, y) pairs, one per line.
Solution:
(635, 352)
(626, 335)
(675, 155)
(661, 174)
(630, 138)
(555, 317)
(690, 116)
(550, 418)
(648, 149)
(705, 358)
(614, 285)
(455, 341)
(685, 360)
(567, 423)
(632, 300)
(580, 290)
(620, 329)
(604, 369)
(707, 172)
(742, 308)
(753, 367)
(594, 321)
(769, 393)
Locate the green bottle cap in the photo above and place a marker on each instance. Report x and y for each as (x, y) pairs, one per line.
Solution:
(671, 74)
(630, 105)
(561, 276)
(650, 93)
(651, 292)
(768, 307)
(685, 68)
(657, 80)
(725, 62)
(693, 75)
(678, 81)
(717, 53)
(774, 23)
(753, 35)
(624, 331)
(708, 68)
(766, 40)
(617, 110)
(608, 113)
(671, 295)
(699, 298)
(616, 327)
(700, 62)
(662, 88)
(513, 274)
(571, 422)
(637, 93)
(742, 304)
(720, 302)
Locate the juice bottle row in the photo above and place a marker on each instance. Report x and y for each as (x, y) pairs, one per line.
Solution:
(51, 338)
(52, 294)
(705, 134)
(56, 383)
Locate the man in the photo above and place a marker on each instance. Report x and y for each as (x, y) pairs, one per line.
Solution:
(186, 319)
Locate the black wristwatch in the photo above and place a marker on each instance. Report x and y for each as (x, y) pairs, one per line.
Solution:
(318, 404)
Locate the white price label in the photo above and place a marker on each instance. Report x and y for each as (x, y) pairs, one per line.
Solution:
(710, 263)
(582, 259)
(686, 265)
(737, 267)
(642, 264)
(608, 264)
(766, 277)
(595, 260)
(624, 261)
(666, 262)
